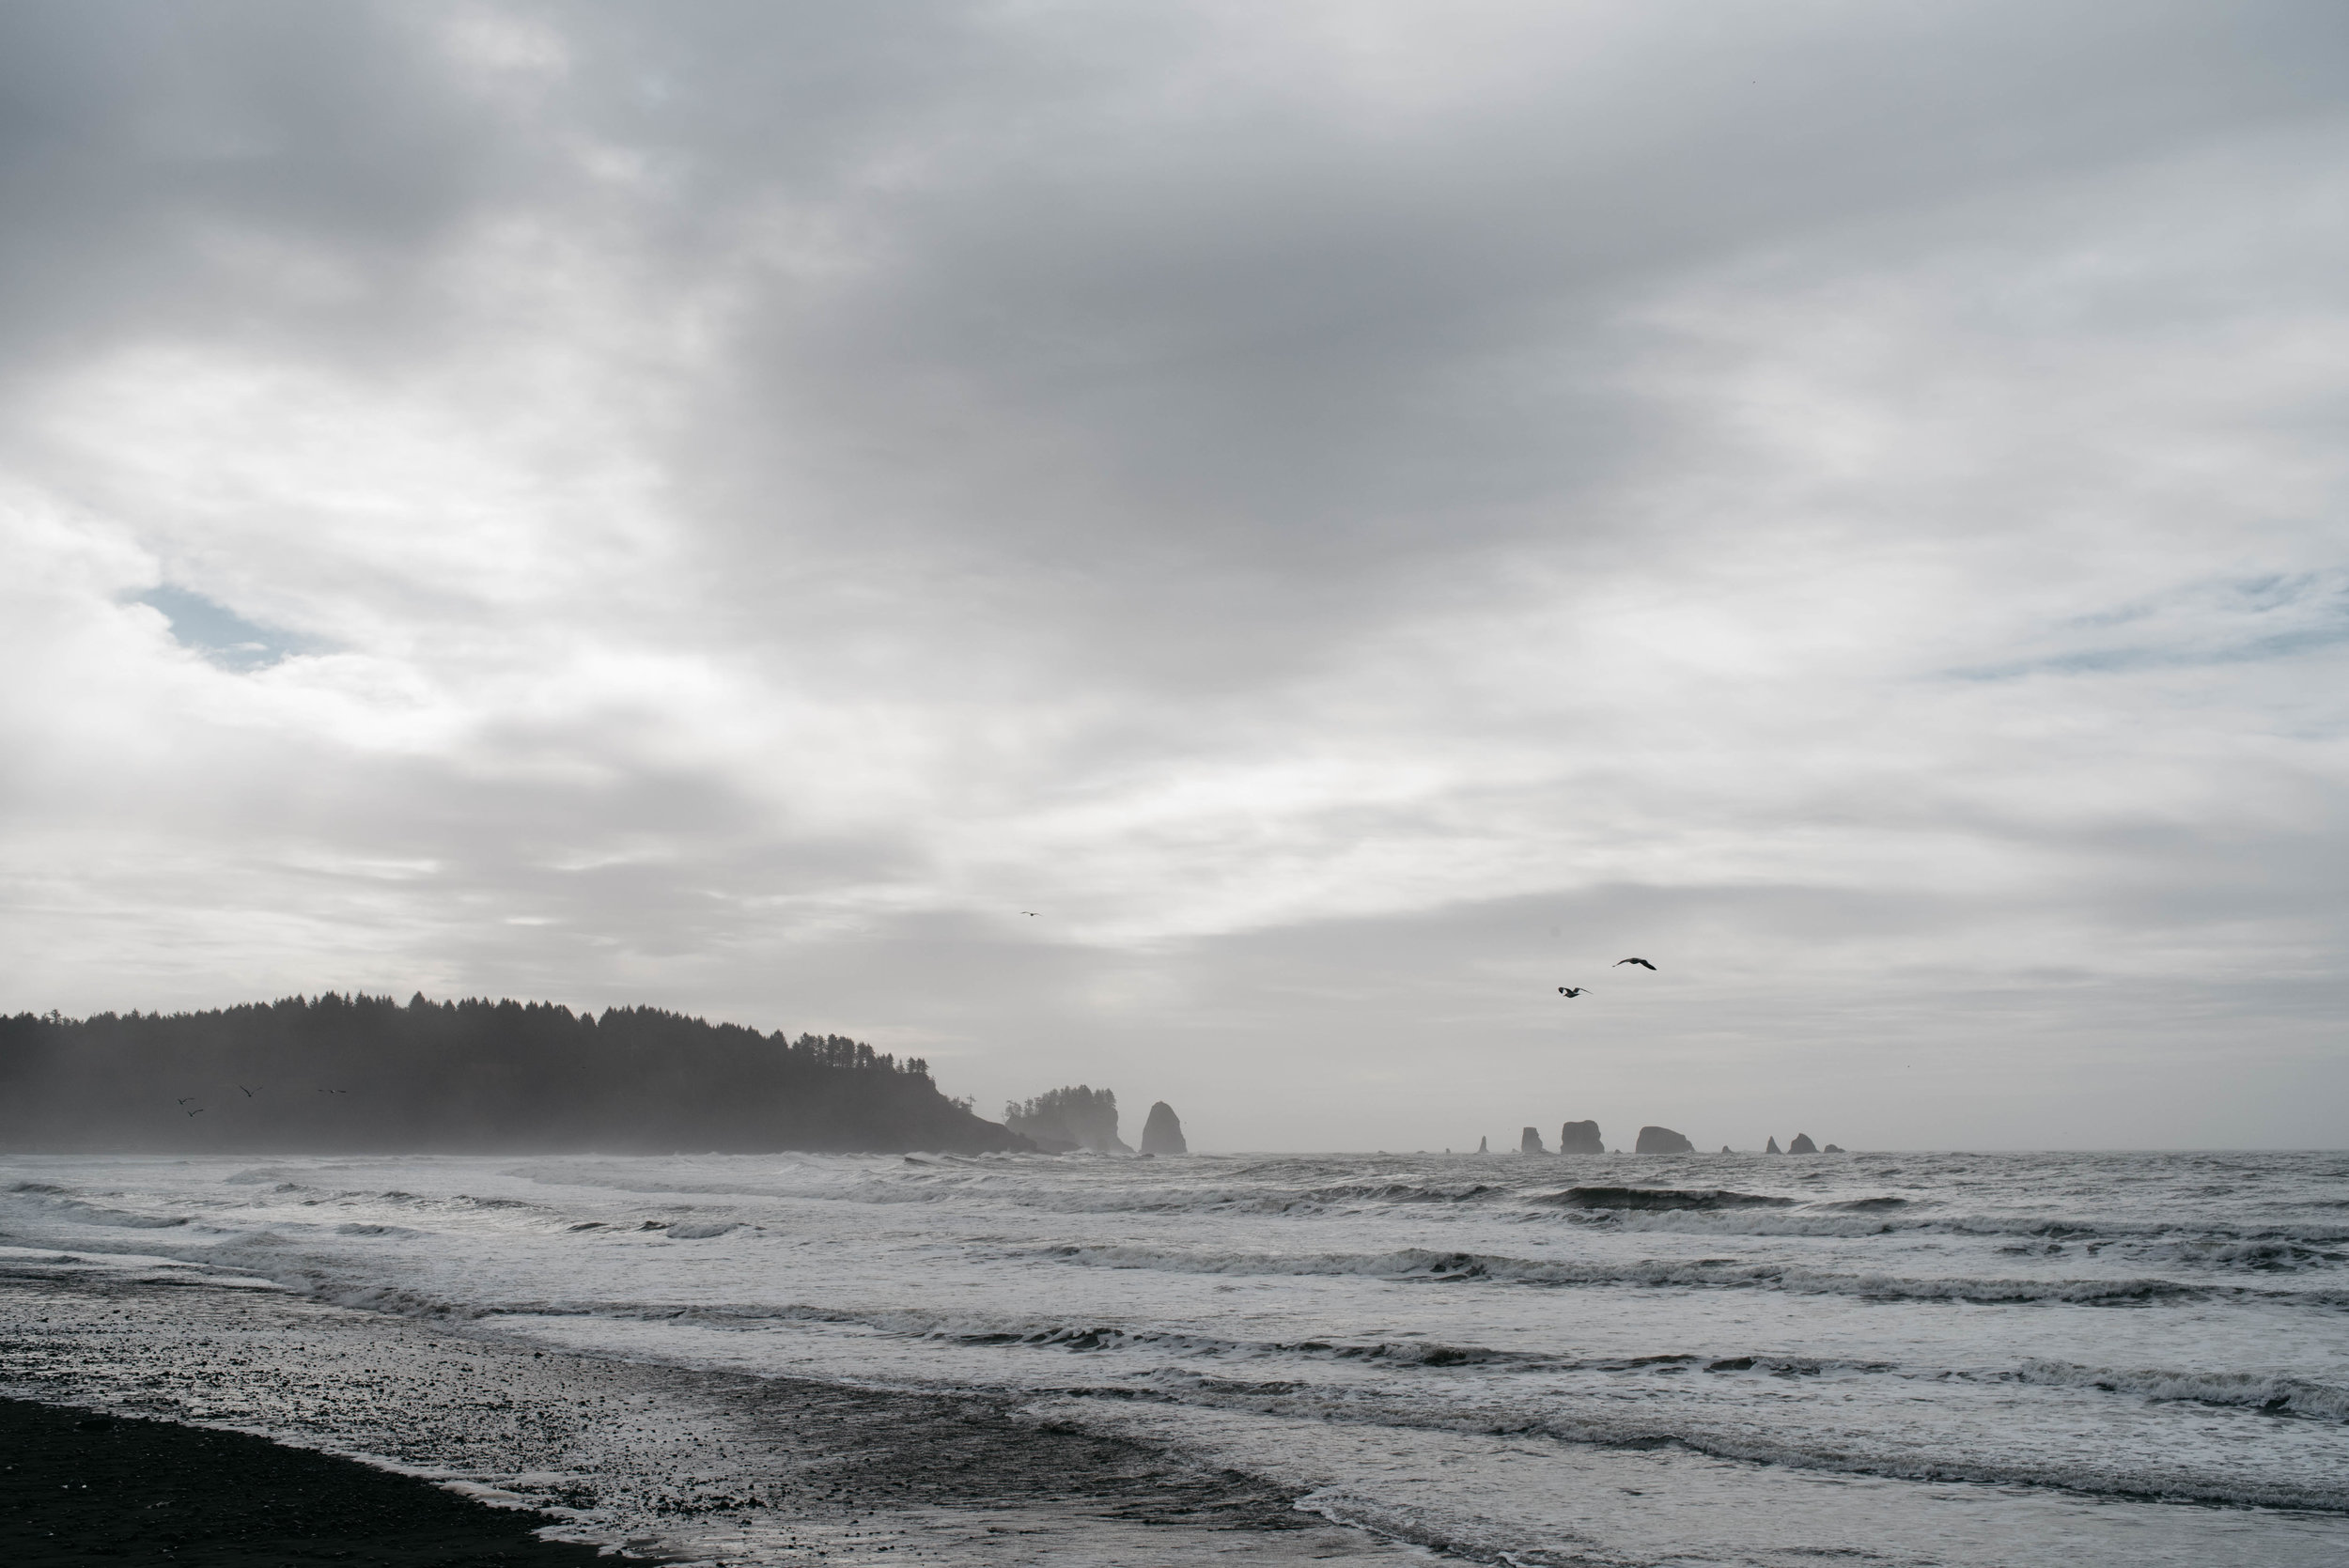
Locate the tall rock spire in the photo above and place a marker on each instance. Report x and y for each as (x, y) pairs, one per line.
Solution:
(1162, 1134)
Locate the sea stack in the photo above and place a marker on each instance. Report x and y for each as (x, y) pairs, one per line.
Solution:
(1802, 1145)
(1832, 1149)
(1482, 1147)
(1580, 1137)
(1530, 1141)
(1162, 1134)
(1662, 1141)
(1773, 1149)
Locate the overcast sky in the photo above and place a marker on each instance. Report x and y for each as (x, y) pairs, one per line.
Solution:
(1357, 514)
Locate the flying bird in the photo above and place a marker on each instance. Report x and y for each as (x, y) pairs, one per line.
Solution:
(1030, 913)
(197, 1111)
(1572, 990)
(248, 1094)
(185, 1098)
(1641, 962)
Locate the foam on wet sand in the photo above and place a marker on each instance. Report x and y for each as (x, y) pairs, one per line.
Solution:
(662, 1462)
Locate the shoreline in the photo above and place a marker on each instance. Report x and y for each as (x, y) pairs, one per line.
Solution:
(656, 1461)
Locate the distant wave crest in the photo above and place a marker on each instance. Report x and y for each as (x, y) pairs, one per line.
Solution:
(1416, 1263)
(1659, 1198)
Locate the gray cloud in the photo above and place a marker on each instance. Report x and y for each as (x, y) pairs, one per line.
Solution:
(729, 503)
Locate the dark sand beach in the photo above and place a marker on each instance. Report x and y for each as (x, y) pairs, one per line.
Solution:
(132, 1380)
(78, 1487)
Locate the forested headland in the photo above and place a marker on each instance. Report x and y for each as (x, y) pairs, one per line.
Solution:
(361, 1074)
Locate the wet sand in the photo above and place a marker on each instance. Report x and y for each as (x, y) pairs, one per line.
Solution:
(661, 1461)
(80, 1488)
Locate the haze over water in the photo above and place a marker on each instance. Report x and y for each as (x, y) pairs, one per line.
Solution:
(1913, 1358)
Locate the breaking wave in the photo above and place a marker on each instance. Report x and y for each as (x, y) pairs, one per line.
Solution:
(1668, 1198)
(2276, 1395)
(1421, 1265)
(58, 1202)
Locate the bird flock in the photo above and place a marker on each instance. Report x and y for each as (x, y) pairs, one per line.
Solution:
(1570, 992)
(183, 1101)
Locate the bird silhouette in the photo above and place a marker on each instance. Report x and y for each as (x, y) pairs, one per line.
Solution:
(197, 1111)
(1641, 962)
(1030, 913)
(1572, 990)
(248, 1094)
(185, 1098)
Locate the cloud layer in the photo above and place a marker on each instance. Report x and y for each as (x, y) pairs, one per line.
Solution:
(1359, 516)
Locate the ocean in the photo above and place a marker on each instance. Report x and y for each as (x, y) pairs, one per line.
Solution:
(1910, 1358)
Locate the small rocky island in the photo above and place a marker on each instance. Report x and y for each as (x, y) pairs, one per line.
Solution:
(1162, 1132)
(1065, 1120)
(1580, 1137)
(1662, 1141)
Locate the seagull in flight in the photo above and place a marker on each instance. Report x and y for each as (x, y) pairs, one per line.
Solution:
(1572, 990)
(1641, 962)
(185, 1098)
(1030, 913)
(248, 1094)
(197, 1111)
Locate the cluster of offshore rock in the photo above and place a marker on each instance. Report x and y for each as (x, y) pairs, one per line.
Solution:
(1581, 1138)
(1801, 1145)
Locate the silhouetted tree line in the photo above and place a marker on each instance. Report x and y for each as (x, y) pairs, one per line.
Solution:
(366, 1074)
(1071, 1118)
